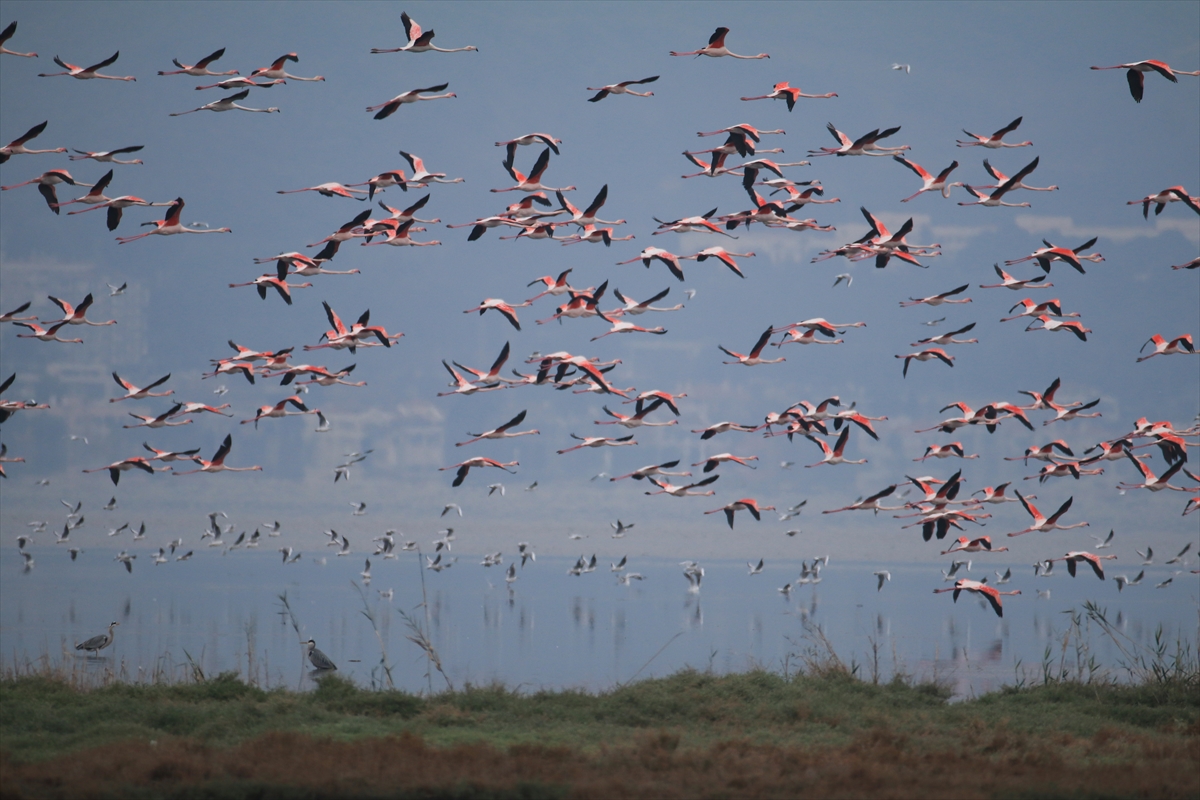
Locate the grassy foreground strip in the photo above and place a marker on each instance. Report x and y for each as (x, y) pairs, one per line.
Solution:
(691, 734)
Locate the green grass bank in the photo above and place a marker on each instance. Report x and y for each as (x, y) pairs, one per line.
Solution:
(692, 734)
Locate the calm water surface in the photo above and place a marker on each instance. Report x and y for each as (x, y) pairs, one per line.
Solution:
(554, 630)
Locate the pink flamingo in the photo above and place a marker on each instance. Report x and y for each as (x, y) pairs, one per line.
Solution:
(276, 70)
(1043, 523)
(745, 504)
(77, 315)
(140, 392)
(932, 183)
(218, 461)
(46, 183)
(501, 432)
(716, 48)
(8, 34)
(994, 141)
(532, 182)
(754, 357)
(419, 41)
(117, 467)
(478, 461)
(1138, 69)
(200, 68)
(86, 73)
(170, 226)
(781, 91)
(44, 335)
(17, 146)
(412, 96)
(620, 88)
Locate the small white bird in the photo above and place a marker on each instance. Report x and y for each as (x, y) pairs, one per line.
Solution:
(1123, 581)
(1148, 555)
(110, 505)
(883, 575)
(785, 590)
(845, 276)
(620, 528)
(1102, 543)
(1164, 584)
(221, 390)
(620, 565)
(511, 574)
(117, 290)
(360, 509)
(495, 487)
(934, 322)
(1005, 578)
(906, 67)
(755, 569)
(451, 507)
(1179, 557)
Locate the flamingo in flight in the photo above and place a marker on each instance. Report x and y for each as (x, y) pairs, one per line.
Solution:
(927, 355)
(501, 431)
(218, 461)
(953, 449)
(633, 308)
(719, 253)
(17, 146)
(1001, 178)
(492, 376)
(657, 253)
(754, 357)
(652, 469)
(948, 338)
(530, 138)
(532, 182)
(599, 441)
(865, 145)
(835, 455)
(965, 544)
(1043, 523)
(117, 467)
(666, 397)
(277, 281)
(588, 216)
(1152, 482)
(938, 299)
(989, 593)
(95, 195)
(711, 462)
(331, 189)
(46, 183)
(116, 207)
(200, 68)
(996, 197)
(932, 183)
(478, 461)
(276, 70)
(505, 308)
(1160, 199)
(869, 503)
(418, 40)
(716, 48)
(1078, 556)
(280, 410)
(1071, 326)
(11, 316)
(77, 315)
(140, 392)
(697, 224)
(108, 156)
(44, 335)
(638, 419)
(1178, 346)
(684, 491)
(86, 73)
(230, 84)
(1137, 70)
(1046, 256)
(745, 504)
(1009, 282)
(620, 88)
(994, 141)
(170, 226)
(161, 421)
(421, 175)
(7, 34)
(227, 104)
(781, 91)
(412, 96)
(386, 180)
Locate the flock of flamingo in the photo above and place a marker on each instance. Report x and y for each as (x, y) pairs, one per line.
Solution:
(937, 506)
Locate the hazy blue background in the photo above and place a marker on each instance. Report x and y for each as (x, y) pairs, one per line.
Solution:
(974, 66)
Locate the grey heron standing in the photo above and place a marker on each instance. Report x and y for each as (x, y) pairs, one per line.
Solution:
(318, 659)
(97, 643)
